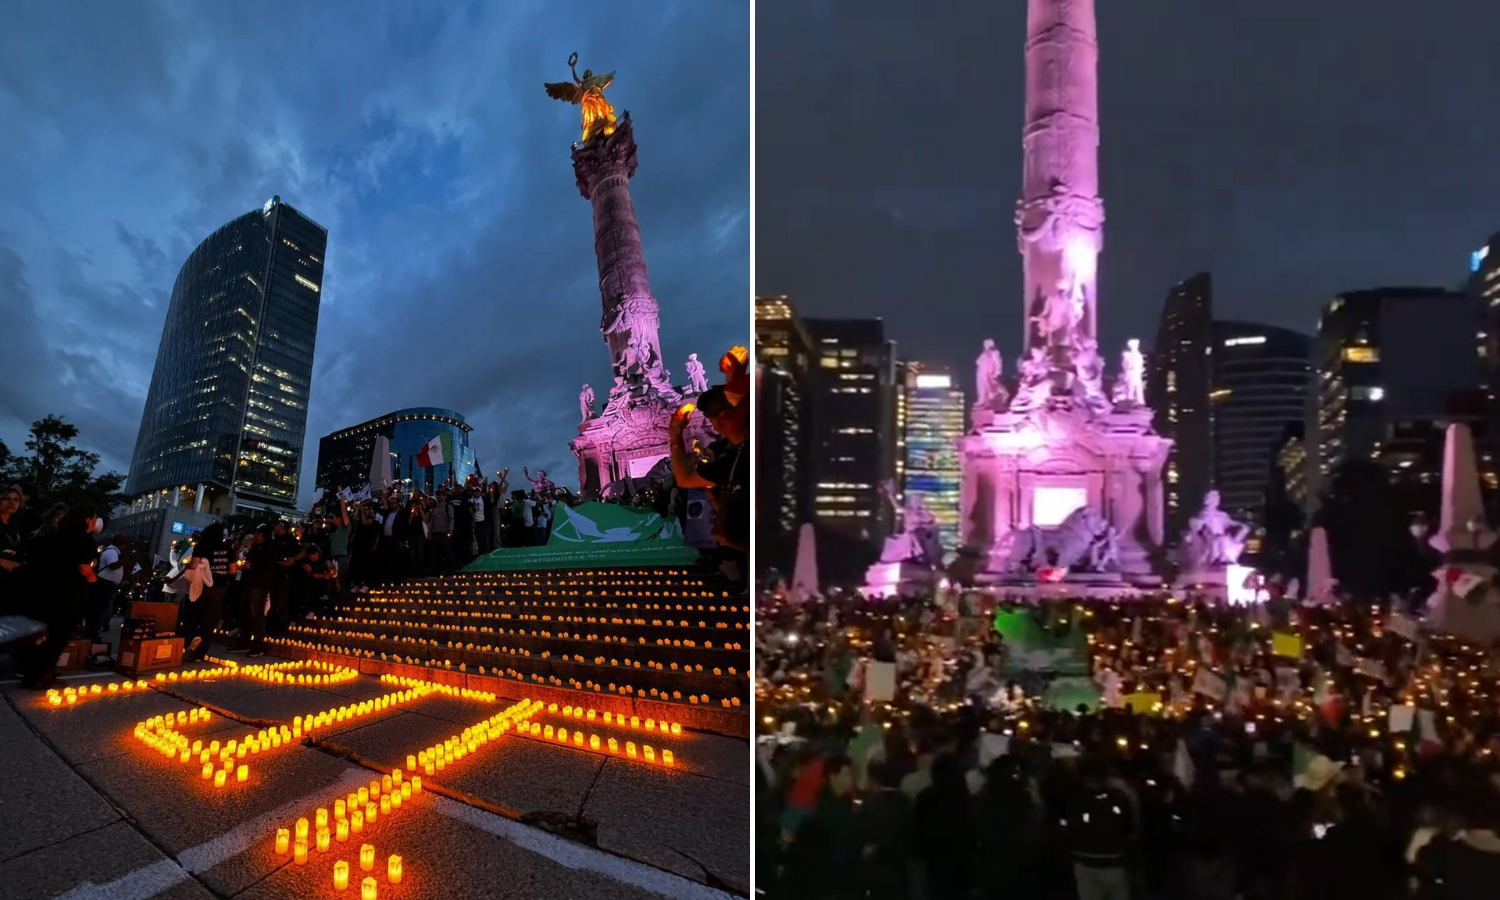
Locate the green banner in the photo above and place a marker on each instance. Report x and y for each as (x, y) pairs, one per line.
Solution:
(597, 535)
(1032, 644)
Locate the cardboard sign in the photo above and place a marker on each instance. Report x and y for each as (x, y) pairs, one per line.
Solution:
(1142, 703)
(1287, 644)
(1400, 719)
(992, 747)
(1374, 668)
(1210, 685)
(1403, 625)
(880, 682)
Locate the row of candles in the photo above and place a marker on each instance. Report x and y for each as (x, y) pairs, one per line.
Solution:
(491, 608)
(440, 756)
(575, 684)
(414, 619)
(71, 696)
(326, 631)
(545, 654)
(351, 815)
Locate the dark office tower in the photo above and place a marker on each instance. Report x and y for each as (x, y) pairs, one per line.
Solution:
(1484, 290)
(854, 432)
(782, 407)
(1179, 380)
(345, 456)
(1262, 382)
(226, 415)
(1388, 356)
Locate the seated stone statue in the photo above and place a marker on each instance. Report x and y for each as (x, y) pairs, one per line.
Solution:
(918, 540)
(1084, 542)
(1213, 538)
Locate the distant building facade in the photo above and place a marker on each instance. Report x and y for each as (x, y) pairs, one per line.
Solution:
(854, 428)
(783, 398)
(1262, 382)
(1179, 382)
(225, 421)
(935, 410)
(345, 456)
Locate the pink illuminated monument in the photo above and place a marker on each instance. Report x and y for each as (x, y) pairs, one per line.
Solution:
(1063, 472)
(623, 444)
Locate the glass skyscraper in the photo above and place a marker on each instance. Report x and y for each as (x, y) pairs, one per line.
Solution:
(344, 457)
(934, 423)
(226, 415)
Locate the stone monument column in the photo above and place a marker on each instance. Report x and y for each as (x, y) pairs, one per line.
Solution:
(1060, 217)
(604, 165)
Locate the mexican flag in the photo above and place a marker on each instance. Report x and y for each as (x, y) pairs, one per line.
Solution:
(437, 451)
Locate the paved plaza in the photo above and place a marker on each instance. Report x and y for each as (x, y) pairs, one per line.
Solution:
(113, 802)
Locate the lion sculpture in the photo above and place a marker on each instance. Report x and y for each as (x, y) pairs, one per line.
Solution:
(1084, 542)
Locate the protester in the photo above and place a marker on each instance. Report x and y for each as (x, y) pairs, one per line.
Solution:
(57, 574)
(11, 503)
(204, 607)
(111, 572)
(1269, 752)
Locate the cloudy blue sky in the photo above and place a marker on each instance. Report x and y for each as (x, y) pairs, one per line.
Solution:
(460, 267)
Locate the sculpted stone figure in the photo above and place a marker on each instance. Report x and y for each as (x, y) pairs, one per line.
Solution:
(586, 402)
(917, 540)
(695, 375)
(987, 370)
(1132, 374)
(1084, 542)
(1213, 538)
(1088, 366)
(1035, 385)
(633, 359)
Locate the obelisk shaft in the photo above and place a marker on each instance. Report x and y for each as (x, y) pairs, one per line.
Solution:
(604, 166)
(1060, 216)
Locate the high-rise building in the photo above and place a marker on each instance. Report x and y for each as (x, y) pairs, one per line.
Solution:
(783, 357)
(854, 428)
(344, 457)
(1179, 382)
(226, 415)
(1388, 356)
(935, 409)
(1262, 382)
(1484, 289)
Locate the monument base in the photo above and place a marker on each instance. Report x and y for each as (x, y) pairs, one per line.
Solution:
(627, 444)
(1472, 617)
(900, 579)
(1034, 469)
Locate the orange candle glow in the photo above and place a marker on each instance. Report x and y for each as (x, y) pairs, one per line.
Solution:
(242, 774)
(220, 777)
(357, 821)
(208, 770)
(340, 875)
(385, 805)
(393, 869)
(367, 857)
(341, 829)
(283, 841)
(367, 890)
(320, 818)
(302, 829)
(299, 852)
(372, 813)
(339, 809)
(416, 784)
(666, 757)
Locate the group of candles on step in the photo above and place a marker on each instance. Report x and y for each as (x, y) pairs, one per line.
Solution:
(161, 735)
(529, 728)
(74, 696)
(350, 816)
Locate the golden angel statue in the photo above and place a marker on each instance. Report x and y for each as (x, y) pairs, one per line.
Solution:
(587, 92)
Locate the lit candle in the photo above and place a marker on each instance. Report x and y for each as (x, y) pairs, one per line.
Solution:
(302, 829)
(208, 770)
(220, 777)
(666, 757)
(385, 805)
(324, 839)
(367, 857)
(406, 790)
(321, 817)
(339, 809)
(367, 889)
(357, 821)
(340, 875)
(372, 812)
(242, 774)
(630, 749)
(299, 852)
(416, 784)
(395, 799)
(283, 840)
(341, 829)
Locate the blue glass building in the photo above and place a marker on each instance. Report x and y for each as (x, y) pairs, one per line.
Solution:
(935, 410)
(344, 457)
(226, 415)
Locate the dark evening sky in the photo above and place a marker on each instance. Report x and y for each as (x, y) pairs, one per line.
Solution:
(1293, 149)
(460, 267)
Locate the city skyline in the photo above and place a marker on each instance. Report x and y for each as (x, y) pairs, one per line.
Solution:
(896, 227)
(460, 270)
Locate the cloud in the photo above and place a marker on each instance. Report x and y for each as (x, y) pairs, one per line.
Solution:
(460, 269)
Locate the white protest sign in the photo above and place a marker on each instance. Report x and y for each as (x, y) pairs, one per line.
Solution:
(880, 682)
(1209, 685)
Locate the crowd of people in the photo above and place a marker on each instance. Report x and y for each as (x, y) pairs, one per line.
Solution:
(1276, 751)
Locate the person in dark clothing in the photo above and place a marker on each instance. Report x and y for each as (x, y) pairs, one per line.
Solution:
(1101, 823)
(202, 616)
(463, 530)
(1007, 826)
(885, 836)
(945, 831)
(11, 503)
(824, 853)
(289, 554)
(313, 579)
(261, 569)
(58, 572)
(1464, 864)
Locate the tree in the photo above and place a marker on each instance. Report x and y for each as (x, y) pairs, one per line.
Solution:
(58, 471)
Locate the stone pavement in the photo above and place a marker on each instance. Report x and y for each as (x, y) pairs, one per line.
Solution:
(101, 815)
